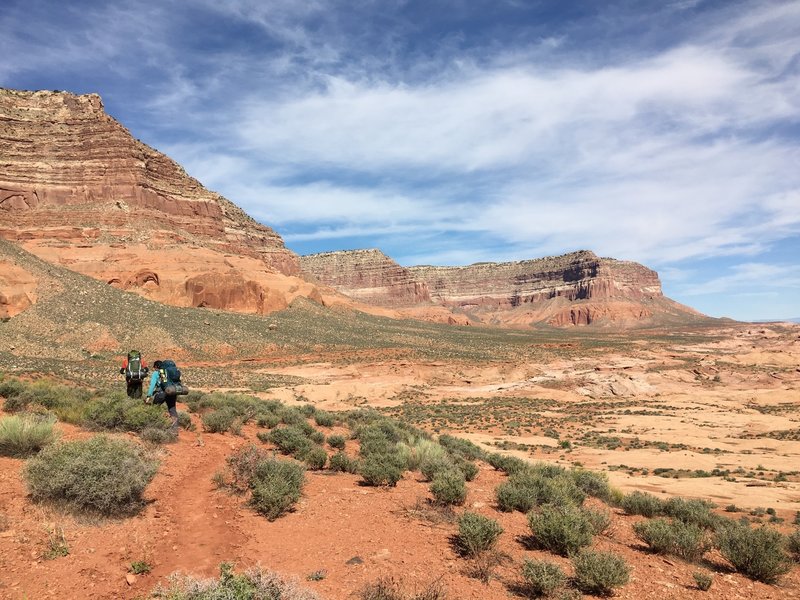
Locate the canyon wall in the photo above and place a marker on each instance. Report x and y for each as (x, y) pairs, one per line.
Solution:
(77, 189)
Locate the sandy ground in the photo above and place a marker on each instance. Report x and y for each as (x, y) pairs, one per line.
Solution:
(690, 406)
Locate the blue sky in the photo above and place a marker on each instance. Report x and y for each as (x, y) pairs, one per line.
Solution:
(451, 132)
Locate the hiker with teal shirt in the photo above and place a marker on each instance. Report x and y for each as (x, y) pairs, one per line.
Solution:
(165, 386)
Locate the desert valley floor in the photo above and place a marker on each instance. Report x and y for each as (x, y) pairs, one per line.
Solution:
(710, 413)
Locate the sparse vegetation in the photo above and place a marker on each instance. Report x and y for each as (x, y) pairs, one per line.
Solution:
(685, 540)
(599, 572)
(275, 486)
(98, 475)
(25, 434)
(449, 487)
(703, 580)
(140, 567)
(542, 578)
(388, 588)
(758, 553)
(253, 583)
(563, 529)
(642, 503)
(476, 534)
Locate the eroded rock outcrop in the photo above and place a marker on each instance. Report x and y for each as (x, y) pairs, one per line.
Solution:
(78, 190)
(578, 288)
(368, 276)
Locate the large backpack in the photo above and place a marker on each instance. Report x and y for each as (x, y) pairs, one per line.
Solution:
(134, 371)
(170, 379)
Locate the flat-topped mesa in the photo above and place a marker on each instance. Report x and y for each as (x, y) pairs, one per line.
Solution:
(575, 276)
(76, 189)
(368, 276)
(72, 173)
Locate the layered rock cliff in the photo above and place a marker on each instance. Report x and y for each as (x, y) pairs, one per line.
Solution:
(368, 276)
(78, 190)
(578, 288)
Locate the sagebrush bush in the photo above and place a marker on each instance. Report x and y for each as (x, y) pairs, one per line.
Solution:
(253, 583)
(336, 441)
(476, 534)
(221, 420)
(387, 588)
(757, 553)
(461, 447)
(432, 465)
(275, 486)
(536, 486)
(324, 419)
(507, 464)
(242, 465)
(685, 540)
(793, 544)
(642, 503)
(592, 483)
(542, 578)
(694, 511)
(23, 435)
(449, 487)
(599, 572)
(469, 469)
(290, 440)
(382, 469)
(600, 520)
(703, 580)
(562, 529)
(268, 420)
(315, 458)
(341, 462)
(98, 475)
(158, 436)
(422, 450)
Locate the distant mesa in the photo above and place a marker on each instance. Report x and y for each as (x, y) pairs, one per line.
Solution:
(578, 288)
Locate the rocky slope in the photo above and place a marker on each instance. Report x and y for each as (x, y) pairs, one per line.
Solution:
(78, 190)
(579, 288)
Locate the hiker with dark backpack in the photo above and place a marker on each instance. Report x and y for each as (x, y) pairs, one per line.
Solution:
(135, 371)
(165, 387)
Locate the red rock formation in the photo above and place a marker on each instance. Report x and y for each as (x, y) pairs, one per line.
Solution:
(77, 189)
(368, 276)
(17, 289)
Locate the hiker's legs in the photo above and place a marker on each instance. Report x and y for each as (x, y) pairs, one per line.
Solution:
(131, 388)
(173, 412)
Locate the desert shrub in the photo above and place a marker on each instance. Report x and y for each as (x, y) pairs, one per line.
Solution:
(387, 588)
(592, 483)
(276, 485)
(120, 413)
(336, 441)
(253, 583)
(542, 578)
(686, 540)
(315, 458)
(703, 580)
(317, 437)
(533, 487)
(375, 441)
(469, 469)
(422, 450)
(307, 410)
(291, 416)
(220, 421)
(139, 416)
(449, 487)
(382, 469)
(290, 440)
(757, 553)
(600, 520)
(268, 420)
(694, 511)
(642, 503)
(185, 421)
(341, 462)
(507, 464)
(476, 534)
(10, 388)
(66, 402)
(23, 435)
(793, 544)
(242, 465)
(432, 465)
(599, 572)
(324, 419)
(158, 436)
(97, 475)
(461, 447)
(562, 529)
(240, 405)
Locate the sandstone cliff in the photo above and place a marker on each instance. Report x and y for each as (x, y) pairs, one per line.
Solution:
(368, 276)
(78, 190)
(578, 288)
